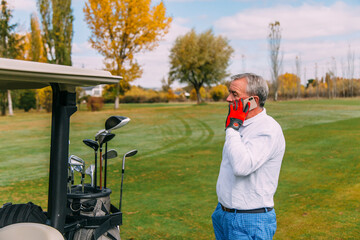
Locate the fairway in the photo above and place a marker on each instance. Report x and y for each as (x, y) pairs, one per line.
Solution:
(169, 186)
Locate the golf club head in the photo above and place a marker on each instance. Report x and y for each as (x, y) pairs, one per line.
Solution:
(128, 154)
(131, 153)
(112, 153)
(76, 161)
(103, 138)
(78, 168)
(90, 171)
(115, 122)
(91, 143)
(100, 132)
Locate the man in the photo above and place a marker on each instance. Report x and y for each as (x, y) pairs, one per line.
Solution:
(251, 160)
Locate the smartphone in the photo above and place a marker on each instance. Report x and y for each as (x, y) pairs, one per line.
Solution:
(252, 103)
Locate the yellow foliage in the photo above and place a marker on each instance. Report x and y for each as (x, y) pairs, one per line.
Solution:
(219, 92)
(122, 28)
(193, 95)
(44, 96)
(170, 95)
(288, 85)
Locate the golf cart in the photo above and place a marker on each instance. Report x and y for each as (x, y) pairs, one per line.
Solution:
(16, 74)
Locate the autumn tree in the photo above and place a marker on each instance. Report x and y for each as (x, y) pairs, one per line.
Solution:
(36, 52)
(288, 83)
(57, 25)
(274, 40)
(122, 28)
(200, 59)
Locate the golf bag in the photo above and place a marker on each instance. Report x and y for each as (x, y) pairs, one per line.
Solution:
(91, 215)
(19, 213)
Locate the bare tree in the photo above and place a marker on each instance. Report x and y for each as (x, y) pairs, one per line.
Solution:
(298, 73)
(274, 39)
(334, 73)
(316, 80)
(343, 73)
(350, 70)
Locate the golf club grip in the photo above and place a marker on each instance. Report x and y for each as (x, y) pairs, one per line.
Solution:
(100, 169)
(95, 175)
(105, 175)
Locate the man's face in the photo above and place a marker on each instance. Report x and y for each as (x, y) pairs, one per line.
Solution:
(237, 90)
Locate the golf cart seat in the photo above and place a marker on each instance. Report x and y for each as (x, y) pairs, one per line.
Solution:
(29, 231)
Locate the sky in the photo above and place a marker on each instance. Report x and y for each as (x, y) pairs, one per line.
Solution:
(321, 33)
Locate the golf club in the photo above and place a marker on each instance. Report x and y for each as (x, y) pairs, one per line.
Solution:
(71, 172)
(103, 138)
(108, 155)
(128, 154)
(115, 122)
(94, 145)
(112, 153)
(90, 171)
(79, 166)
(112, 123)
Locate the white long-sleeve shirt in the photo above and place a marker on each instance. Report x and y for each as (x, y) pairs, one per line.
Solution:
(251, 162)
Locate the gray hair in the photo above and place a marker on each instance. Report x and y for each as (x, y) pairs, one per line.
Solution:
(256, 86)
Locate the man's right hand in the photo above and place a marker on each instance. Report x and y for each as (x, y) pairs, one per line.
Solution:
(237, 114)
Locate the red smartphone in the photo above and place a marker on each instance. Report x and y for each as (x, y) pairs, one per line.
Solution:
(252, 102)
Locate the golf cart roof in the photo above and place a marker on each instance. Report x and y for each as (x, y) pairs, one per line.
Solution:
(18, 74)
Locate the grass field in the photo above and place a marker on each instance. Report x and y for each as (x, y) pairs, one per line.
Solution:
(169, 189)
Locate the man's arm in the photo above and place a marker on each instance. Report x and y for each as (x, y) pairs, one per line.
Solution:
(246, 158)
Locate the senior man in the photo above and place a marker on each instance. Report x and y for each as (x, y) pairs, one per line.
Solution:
(251, 160)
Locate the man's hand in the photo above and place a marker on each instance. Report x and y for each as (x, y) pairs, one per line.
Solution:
(237, 114)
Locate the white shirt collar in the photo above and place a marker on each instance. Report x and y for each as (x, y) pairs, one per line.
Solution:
(253, 119)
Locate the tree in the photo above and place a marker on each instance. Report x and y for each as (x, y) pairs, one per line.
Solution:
(122, 28)
(288, 85)
(45, 98)
(298, 73)
(200, 59)
(274, 40)
(57, 25)
(27, 100)
(10, 47)
(36, 51)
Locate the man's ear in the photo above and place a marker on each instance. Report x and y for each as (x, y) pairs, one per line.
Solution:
(257, 100)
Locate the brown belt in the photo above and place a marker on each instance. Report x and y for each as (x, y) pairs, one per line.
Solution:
(258, 210)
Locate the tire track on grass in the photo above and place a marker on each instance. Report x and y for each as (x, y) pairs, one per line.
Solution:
(206, 135)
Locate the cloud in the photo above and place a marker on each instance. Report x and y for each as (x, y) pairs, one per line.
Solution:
(156, 63)
(23, 5)
(305, 21)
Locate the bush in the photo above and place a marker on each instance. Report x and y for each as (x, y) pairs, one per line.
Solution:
(95, 103)
(219, 92)
(139, 95)
(27, 100)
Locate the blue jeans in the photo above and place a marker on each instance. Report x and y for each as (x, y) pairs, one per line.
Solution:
(243, 226)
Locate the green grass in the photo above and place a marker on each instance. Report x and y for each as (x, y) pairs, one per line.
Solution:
(169, 189)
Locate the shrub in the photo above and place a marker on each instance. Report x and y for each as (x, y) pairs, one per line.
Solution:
(27, 100)
(219, 92)
(140, 95)
(95, 103)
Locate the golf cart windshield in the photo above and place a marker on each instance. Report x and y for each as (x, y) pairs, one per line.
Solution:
(16, 74)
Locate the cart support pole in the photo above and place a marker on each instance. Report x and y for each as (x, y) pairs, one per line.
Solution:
(63, 106)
